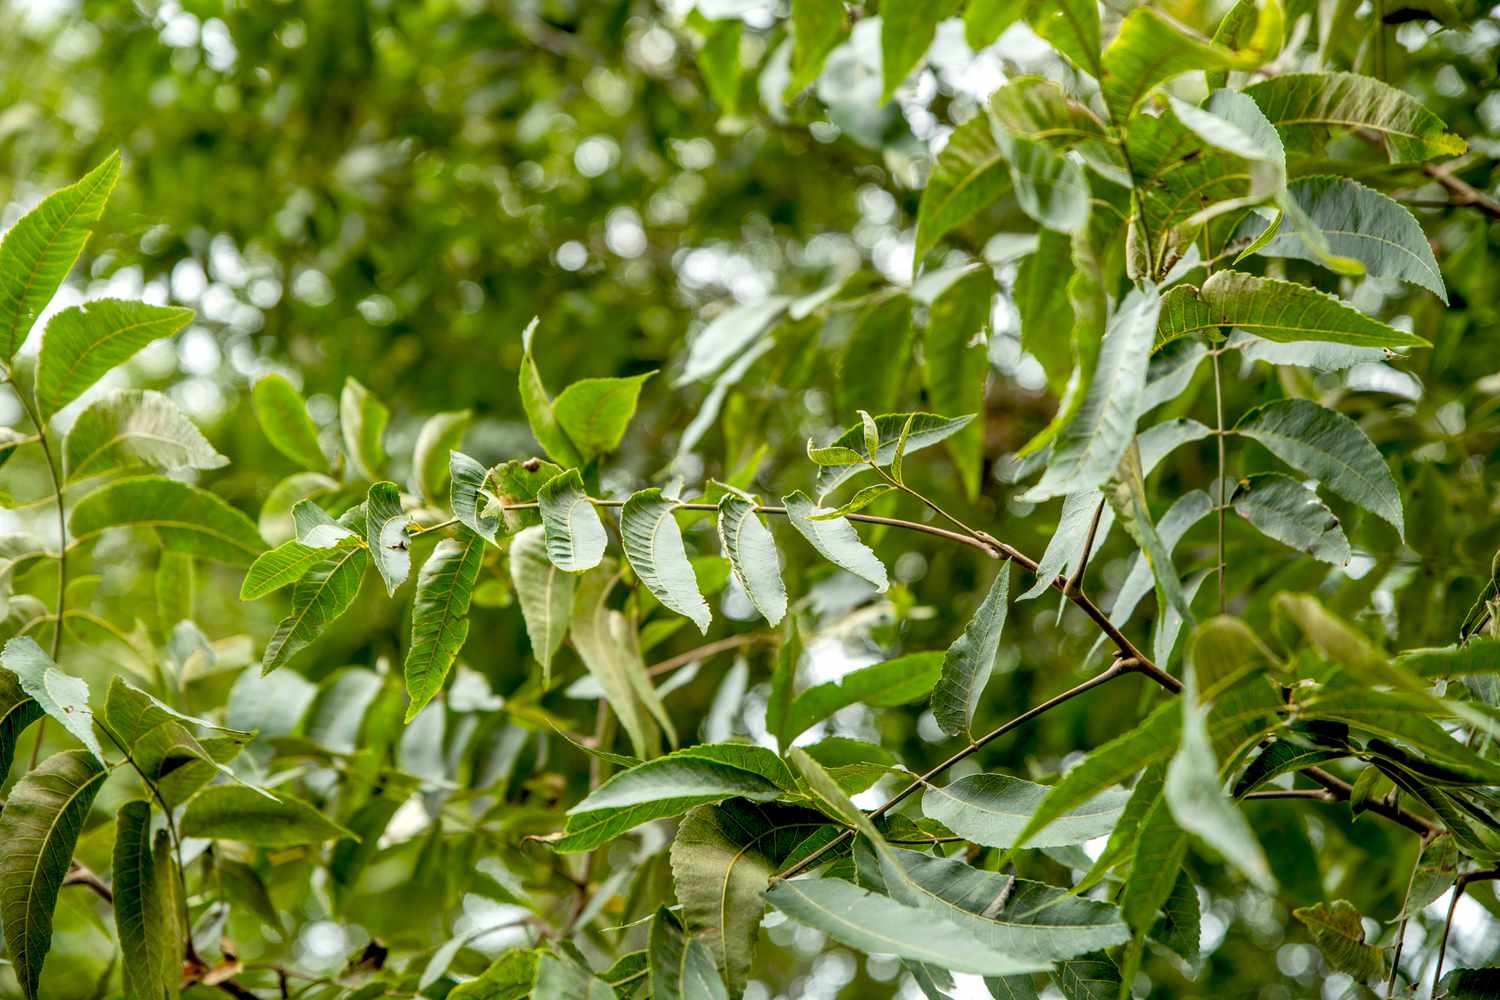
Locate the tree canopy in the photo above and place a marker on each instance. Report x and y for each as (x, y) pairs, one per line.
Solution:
(733, 499)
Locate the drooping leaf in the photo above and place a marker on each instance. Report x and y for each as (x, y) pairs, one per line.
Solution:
(1195, 794)
(130, 713)
(594, 412)
(1072, 26)
(440, 616)
(970, 173)
(1359, 223)
(927, 429)
(1028, 920)
(817, 27)
(719, 61)
(84, 342)
(130, 428)
(752, 555)
(185, 518)
(1281, 757)
(362, 421)
(538, 406)
(873, 923)
(385, 534)
(955, 366)
(61, 696)
(41, 248)
(894, 682)
(40, 825)
(1283, 509)
(441, 436)
(653, 544)
(835, 540)
(1340, 934)
(670, 786)
(238, 813)
(1180, 927)
(144, 916)
(1089, 449)
(1041, 293)
(282, 414)
(1272, 309)
(906, 31)
(545, 594)
(1188, 510)
(1306, 107)
(575, 535)
(992, 809)
(1434, 874)
(607, 644)
(1329, 447)
(723, 858)
(968, 663)
(732, 333)
(17, 711)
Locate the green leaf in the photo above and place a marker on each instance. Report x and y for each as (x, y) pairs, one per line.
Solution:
(1072, 26)
(653, 544)
(1306, 107)
(1278, 311)
(1152, 48)
(878, 924)
(883, 685)
(1107, 765)
(1092, 977)
(856, 503)
(545, 594)
(145, 915)
(968, 663)
(440, 616)
(1330, 448)
(1340, 934)
(670, 786)
(1283, 509)
(538, 406)
(984, 20)
(927, 429)
(129, 428)
(1181, 925)
(17, 711)
(1195, 794)
(752, 555)
(1359, 223)
(1480, 655)
(130, 713)
(835, 540)
(323, 594)
(282, 414)
(682, 967)
(992, 809)
(41, 248)
(732, 334)
(1090, 448)
(275, 519)
(1188, 510)
(884, 330)
(1035, 108)
(467, 498)
(1160, 847)
(719, 61)
(723, 858)
(385, 534)
(568, 979)
(1281, 757)
(607, 643)
(955, 368)
(1041, 294)
(969, 174)
(84, 342)
(40, 824)
(1050, 188)
(817, 28)
(509, 977)
(906, 30)
(1032, 921)
(362, 420)
(1433, 874)
(575, 534)
(440, 437)
(594, 412)
(63, 697)
(186, 518)
(238, 813)
(276, 568)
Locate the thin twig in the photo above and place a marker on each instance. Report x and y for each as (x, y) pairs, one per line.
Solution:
(706, 650)
(1459, 886)
(1223, 567)
(1075, 582)
(81, 874)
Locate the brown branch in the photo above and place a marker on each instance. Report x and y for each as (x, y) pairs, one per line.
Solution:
(706, 650)
(1463, 193)
(81, 874)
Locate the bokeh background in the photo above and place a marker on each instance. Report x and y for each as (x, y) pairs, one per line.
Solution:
(392, 189)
